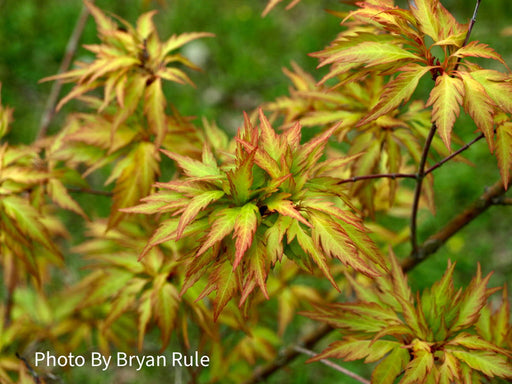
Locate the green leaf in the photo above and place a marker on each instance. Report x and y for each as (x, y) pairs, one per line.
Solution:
(138, 171)
(224, 278)
(446, 99)
(396, 92)
(195, 205)
(418, 369)
(331, 238)
(479, 106)
(165, 307)
(372, 53)
(489, 363)
(154, 108)
(425, 11)
(223, 225)
(497, 85)
(504, 150)
(391, 366)
(245, 227)
(470, 304)
(195, 168)
(285, 207)
(354, 349)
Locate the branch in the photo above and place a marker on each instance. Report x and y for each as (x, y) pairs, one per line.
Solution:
(31, 371)
(417, 192)
(49, 110)
(288, 354)
(434, 242)
(334, 366)
(378, 176)
(502, 200)
(451, 156)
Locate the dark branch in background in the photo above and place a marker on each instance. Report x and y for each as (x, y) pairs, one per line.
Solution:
(31, 371)
(491, 196)
(49, 110)
(334, 366)
(417, 192)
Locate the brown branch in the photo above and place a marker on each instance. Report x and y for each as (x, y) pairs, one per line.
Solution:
(502, 200)
(378, 176)
(417, 192)
(49, 110)
(434, 242)
(337, 367)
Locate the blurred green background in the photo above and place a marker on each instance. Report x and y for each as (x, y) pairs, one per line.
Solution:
(243, 68)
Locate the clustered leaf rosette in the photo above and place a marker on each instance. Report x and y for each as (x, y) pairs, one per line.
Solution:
(386, 144)
(240, 212)
(131, 123)
(130, 64)
(402, 44)
(440, 336)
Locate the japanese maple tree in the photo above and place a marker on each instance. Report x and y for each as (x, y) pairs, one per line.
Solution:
(223, 244)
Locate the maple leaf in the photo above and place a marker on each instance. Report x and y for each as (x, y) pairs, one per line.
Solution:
(446, 99)
(425, 12)
(397, 91)
(480, 107)
(137, 173)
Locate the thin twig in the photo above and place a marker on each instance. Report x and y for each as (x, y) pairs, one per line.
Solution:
(434, 242)
(378, 176)
(452, 155)
(470, 29)
(417, 192)
(333, 365)
(49, 110)
(31, 371)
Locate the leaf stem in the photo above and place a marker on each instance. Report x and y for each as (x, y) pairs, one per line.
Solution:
(420, 175)
(333, 365)
(49, 110)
